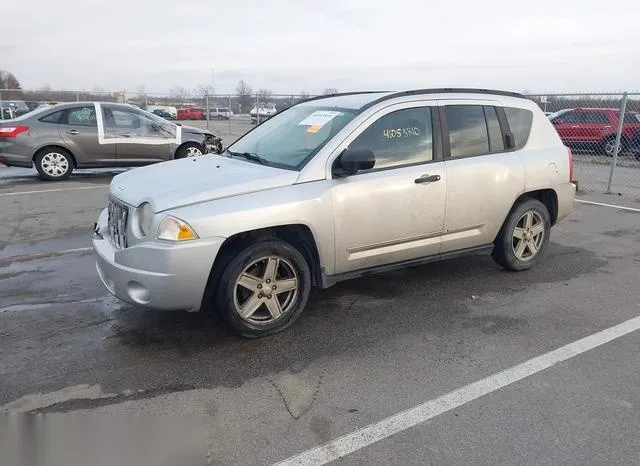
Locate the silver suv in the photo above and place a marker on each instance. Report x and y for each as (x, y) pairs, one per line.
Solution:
(330, 189)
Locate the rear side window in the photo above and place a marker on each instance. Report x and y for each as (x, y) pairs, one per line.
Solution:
(596, 117)
(519, 121)
(496, 141)
(52, 117)
(467, 130)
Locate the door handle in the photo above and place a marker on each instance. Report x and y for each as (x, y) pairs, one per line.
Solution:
(73, 131)
(427, 179)
(126, 135)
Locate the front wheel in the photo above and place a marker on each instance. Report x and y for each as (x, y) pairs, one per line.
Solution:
(190, 149)
(523, 237)
(264, 289)
(54, 164)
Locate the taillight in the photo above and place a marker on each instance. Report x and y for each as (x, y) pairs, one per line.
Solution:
(570, 164)
(12, 131)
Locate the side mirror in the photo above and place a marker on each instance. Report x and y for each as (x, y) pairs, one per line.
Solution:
(352, 161)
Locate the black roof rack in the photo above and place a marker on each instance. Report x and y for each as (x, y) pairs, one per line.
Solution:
(339, 94)
(441, 90)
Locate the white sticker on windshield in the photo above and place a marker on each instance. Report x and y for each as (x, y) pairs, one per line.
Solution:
(319, 119)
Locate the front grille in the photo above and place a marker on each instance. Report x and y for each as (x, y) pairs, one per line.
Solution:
(118, 217)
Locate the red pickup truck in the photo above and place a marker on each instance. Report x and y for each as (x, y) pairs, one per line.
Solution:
(595, 128)
(191, 114)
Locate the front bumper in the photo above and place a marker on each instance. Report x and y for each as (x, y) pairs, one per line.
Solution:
(156, 275)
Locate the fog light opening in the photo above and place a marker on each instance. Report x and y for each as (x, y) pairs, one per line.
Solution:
(137, 292)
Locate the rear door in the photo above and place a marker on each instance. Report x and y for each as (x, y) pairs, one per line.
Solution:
(483, 175)
(138, 137)
(569, 126)
(597, 126)
(78, 129)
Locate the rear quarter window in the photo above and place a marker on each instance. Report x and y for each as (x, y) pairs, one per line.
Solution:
(519, 120)
(52, 117)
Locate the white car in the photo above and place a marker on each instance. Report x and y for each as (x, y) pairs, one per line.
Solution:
(335, 188)
(263, 112)
(220, 113)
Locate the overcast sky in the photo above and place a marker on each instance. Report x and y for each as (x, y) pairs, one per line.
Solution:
(293, 45)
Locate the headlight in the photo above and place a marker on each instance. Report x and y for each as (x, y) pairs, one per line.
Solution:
(144, 218)
(173, 229)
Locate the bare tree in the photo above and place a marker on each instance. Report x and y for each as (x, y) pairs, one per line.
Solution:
(264, 95)
(179, 94)
(203, 90)
(330, 90)
(9, 81)
(244, 91)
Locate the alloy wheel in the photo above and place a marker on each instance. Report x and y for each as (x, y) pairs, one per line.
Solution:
(528, 235)
(266, 290)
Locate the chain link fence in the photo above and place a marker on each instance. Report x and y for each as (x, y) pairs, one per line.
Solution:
(603, 130)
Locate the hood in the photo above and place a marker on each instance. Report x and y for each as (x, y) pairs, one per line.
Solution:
(183, 182)
(193, 129)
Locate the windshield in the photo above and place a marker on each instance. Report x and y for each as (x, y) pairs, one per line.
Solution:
(290, 138)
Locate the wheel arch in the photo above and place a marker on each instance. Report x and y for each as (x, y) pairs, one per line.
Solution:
(45, 147)
(188, 143)
(547, 196)
(297, 235)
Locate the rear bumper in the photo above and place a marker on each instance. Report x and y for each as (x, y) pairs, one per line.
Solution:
(15, 155)
(566, 193)
(156, 275)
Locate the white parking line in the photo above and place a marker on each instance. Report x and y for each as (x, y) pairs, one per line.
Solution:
(54, 190)
(380, 430)
(609, 205)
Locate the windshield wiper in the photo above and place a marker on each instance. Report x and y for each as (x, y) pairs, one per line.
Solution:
(249, 156)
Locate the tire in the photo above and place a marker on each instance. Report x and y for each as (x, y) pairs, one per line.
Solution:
(262, 317)
(54, 164)
(507, 250)
(189, 149)
(608, 145)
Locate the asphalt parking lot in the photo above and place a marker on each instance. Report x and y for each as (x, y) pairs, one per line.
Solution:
(363, 350)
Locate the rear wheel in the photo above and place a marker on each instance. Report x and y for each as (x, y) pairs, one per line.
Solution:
(609, 145)
(54, 164)
(264, 288)
(523, 237)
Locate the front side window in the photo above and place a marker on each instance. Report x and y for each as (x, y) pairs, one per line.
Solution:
(135, 123)
(403, 137)
(467, 130)
(632, 118)
(290, 138)
(82, 116)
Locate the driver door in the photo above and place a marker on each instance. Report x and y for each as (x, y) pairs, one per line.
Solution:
(139, 138)
(390, 213)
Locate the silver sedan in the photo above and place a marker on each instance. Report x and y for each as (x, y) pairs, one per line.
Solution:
(60, 138)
